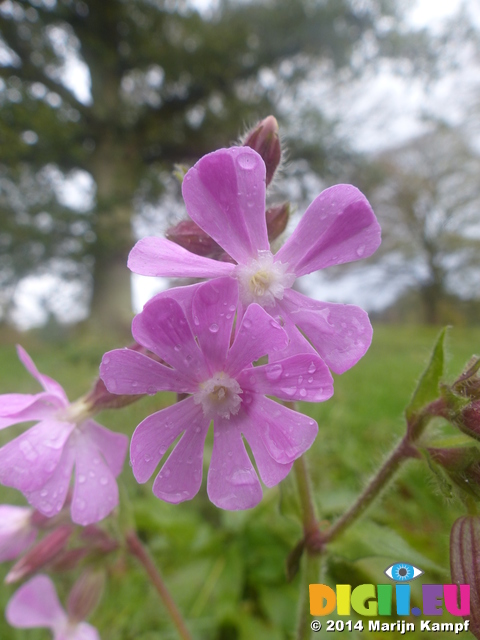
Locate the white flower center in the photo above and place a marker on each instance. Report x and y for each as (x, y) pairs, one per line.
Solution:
(219, 396)
(262, 280)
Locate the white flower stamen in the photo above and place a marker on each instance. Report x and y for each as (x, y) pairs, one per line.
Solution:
(262, 280)
(220, 395)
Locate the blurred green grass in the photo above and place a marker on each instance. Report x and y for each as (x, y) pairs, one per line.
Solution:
(227, 570)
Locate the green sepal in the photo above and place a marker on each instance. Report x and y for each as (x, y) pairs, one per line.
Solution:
(428, 386)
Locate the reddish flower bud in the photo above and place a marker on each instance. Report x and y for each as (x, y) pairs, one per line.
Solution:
(189, 236)
(468, 384)
(277, 219)
(462, 466)
(85, 595)
(263, 138)
(46, 551)
(464, 558)
(468, 420)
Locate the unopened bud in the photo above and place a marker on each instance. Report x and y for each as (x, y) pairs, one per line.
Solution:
(468, 420)
(468, 384)
(263, 138)
(464, 554)
(277, 219)
(462, 466)
(85, 595)
(190, 236)
(46, 551)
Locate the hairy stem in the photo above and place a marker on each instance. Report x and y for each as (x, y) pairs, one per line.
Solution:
(403, 451)
(140, 552)
(310, 575)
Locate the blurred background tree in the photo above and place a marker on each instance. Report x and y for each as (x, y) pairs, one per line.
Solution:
(109, 95)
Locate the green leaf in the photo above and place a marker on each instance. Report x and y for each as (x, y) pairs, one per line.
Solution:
(369, 540)
(428, 386)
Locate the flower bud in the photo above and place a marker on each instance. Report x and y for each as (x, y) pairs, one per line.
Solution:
(468, 420)
(462, 466)
(189, 236)
(47, 550)
(277, 219)
(85, 595)
(464, 554)
(263, 138)
(468, 384)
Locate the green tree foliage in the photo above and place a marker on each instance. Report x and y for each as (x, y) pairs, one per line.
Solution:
(167, 84)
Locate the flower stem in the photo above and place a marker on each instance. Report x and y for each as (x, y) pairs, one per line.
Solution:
(402, 452)
(140, 552)
(309, 518)
(310, 575)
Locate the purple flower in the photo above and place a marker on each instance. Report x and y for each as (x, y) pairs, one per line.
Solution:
(36, 604)
(224, 387)
(16, 531)
(225, 195)
(39, 462)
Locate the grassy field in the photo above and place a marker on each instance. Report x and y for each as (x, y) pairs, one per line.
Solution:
(227, 570)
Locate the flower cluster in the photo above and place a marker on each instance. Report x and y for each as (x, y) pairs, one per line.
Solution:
(209, 335)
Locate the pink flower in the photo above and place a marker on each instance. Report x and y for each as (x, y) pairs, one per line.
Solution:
(224, 387)
(36, 604)
(225, 195)
(39, 462)
(17, 532)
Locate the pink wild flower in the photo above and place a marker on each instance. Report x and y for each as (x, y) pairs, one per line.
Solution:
(39, 462)
(17, 531)
(36, 604)
(224, 194)
(223, 387)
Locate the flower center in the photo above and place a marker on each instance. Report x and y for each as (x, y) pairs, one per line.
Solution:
(262, 280)
(219, 396)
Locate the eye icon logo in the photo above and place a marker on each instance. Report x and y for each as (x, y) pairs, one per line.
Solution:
(403, 572)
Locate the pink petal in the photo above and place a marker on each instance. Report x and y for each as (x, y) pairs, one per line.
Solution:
(339, 226)
(28, 461)
(213, 309)
(81, 631)
(163, 329)
(271, 472)
(232, 481)
(35, 604)
(51, 386)
(340, 333)
(258, 335)
(300, 377)
(181, 475)
(16, 531)
(96, 493)
(225, 195)
(297, 342)
(154, 256)
(158, 431)
(50, 497)
(129, 372)
(22, 407)
(182, 295)
(113, 446)
(286, 434)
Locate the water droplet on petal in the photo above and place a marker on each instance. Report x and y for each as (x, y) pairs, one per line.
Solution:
(361, 250)
(103, 480)
(177, 347)
(106, 359)
(213, 328)
(274, 371)
(312, 368)
(247, 323)
(166, 473)
(289, 391)
(303, 393)
(80, 504)
(247, 161)
(151, 391)
(81, 479)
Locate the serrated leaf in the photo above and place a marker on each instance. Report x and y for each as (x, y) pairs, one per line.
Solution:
(465, 563)
(428, 386)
